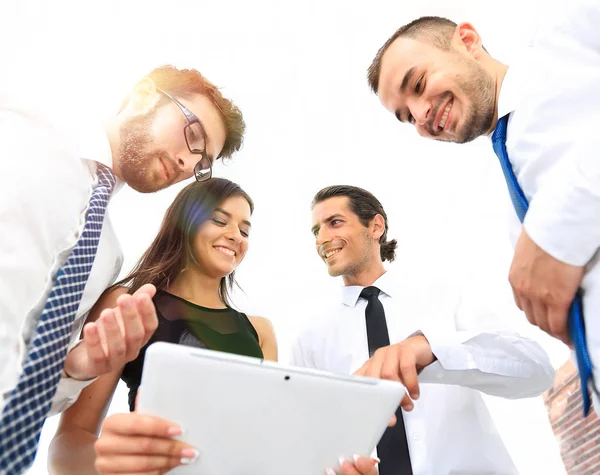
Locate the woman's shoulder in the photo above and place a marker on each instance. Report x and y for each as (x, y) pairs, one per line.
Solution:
(262, 325)
(261, 322)
(266, 336)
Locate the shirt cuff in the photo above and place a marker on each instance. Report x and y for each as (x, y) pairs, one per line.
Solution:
(67, 393)
(68, 390)
(447, 347)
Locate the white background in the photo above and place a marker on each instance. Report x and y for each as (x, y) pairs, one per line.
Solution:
(297, 71)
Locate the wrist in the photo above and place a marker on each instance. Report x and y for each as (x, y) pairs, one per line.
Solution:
(424, 354)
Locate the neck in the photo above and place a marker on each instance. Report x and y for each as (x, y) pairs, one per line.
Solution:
(112, 129)
(498, 71)
(365, 277)
(195, 286)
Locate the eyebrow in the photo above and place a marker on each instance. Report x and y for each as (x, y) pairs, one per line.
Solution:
(229, 215)
(407, 77)
(316, 227)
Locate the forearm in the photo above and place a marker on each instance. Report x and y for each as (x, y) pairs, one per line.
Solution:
(67, 393)
(72, 453)
(500, 364)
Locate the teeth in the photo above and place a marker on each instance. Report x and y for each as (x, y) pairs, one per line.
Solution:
(328, 254)
(445, 116)
(226, 251)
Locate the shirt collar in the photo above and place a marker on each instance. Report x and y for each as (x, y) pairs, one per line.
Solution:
(351, 293)
(516, 83)
(509, 92)
(93, 145)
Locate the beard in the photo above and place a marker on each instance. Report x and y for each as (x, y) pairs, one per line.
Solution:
(479, 86)
(356, 265)
(136, 156)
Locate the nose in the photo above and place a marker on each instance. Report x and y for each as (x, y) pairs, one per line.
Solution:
(186, 162)
(322, 237)
(421, 111)
(234, 235)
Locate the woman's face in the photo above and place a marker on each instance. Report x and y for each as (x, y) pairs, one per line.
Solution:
(222, 241)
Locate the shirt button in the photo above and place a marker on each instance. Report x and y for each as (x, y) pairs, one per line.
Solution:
(417, 436)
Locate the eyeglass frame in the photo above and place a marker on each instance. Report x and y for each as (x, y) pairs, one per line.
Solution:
(193, 119)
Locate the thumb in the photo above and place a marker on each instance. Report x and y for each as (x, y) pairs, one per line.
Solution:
(392, 421)
(362, 370)
(364, 465)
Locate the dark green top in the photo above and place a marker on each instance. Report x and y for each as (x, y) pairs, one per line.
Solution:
(183, 322)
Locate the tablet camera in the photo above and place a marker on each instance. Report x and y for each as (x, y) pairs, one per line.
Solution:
(287, 378)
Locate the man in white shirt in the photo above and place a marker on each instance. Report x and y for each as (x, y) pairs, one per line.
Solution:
(436, 75)
(172, 126)
(455, 345)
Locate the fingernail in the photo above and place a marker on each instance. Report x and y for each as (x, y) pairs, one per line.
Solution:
(410, 406)
(356, 457)
(330, 471)
(414, 396)
(376, 459)
(189, 456)
(342, 460)
(174, 431)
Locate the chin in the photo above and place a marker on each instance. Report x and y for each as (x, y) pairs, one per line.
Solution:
(334, 271)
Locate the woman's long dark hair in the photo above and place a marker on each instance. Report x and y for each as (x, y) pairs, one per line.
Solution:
(172, 248)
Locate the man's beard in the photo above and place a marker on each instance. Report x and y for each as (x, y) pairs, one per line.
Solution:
(356, 266)
(477, 85)
(136, 155)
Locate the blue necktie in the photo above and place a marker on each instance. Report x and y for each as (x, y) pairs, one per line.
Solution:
(28, 404)
(576, 323)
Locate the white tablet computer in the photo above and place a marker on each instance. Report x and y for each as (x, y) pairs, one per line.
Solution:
(249, 417)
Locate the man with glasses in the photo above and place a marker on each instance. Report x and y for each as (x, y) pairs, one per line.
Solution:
(58, 250)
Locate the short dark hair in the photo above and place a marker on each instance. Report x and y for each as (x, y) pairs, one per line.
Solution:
(433, 30)
(364, 205)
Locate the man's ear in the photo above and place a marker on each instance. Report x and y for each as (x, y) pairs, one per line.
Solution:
(467, 39)
(143, 97)
(377, 227)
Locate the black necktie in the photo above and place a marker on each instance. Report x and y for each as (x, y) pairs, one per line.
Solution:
(392, 449)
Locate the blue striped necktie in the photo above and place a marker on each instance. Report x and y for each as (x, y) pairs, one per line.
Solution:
(576, 322)
(28, 404)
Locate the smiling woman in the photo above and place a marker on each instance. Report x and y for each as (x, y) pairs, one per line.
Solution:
(192, 262)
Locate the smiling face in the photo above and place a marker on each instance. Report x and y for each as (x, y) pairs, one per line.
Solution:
(446, 95)
(152, 152)
(345, 245)
(221, 242)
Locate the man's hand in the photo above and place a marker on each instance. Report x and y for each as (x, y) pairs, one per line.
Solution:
(116, 337)
(360, 466)
(400, 362)
(543, 287)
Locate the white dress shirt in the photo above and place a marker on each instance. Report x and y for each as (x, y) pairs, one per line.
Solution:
(47, 179)
(450, 430)
(553, 97)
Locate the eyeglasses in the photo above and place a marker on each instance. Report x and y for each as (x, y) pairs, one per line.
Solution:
(195, 138)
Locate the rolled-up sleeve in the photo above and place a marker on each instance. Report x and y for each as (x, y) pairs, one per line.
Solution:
(481, 351)
(564, 215)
